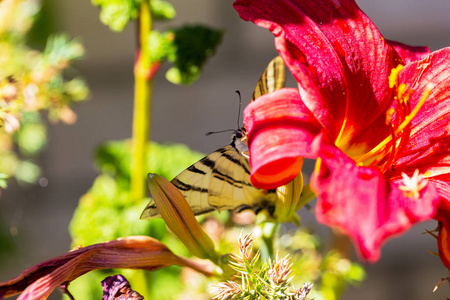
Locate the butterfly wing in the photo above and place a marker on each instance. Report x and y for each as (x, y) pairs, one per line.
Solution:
(272, 79)
(219, 181)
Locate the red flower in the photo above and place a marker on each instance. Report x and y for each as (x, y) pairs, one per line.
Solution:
(373, 111)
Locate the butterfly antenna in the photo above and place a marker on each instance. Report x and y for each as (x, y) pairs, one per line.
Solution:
(220, 131)
(239, 113)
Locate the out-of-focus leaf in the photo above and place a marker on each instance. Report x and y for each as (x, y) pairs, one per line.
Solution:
(191, 47)
(77, 89)
(43, 25)
(117, 13)
(7, 245)
(60, 49)
(8, 163)
(3, 182)
(28, 172)
(160, 45)
(167, 160)
(31, 137)
(162, 10)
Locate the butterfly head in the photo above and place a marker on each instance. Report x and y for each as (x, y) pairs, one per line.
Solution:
(239, 141)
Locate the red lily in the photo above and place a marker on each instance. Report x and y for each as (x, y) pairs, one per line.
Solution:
(380, 111)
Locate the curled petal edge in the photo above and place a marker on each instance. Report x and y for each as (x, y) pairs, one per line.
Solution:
(280, 131)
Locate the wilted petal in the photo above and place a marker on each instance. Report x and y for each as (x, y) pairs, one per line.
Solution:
(178, 216)
(280, 131)
(137, 252)
(364, 204)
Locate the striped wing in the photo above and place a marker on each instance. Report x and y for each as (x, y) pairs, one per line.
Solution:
(219, 181)
(272, 79)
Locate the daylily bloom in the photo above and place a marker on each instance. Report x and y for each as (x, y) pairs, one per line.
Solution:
(135, 252)
(374, 112)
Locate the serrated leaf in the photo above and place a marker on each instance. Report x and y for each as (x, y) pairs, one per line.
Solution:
(191, 47)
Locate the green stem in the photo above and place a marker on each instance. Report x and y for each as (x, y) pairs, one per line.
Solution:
(268, 235)
(141, 121)
(142, 105)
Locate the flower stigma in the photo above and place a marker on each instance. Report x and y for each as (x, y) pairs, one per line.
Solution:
(413, 185)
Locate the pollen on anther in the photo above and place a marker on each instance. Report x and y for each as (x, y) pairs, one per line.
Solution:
(393, 77)
(413, 185)
(389, 114)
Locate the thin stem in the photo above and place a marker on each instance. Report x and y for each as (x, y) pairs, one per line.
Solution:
(142, 105)
(268, 235)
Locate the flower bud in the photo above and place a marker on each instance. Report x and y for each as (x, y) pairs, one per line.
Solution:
(179, 217)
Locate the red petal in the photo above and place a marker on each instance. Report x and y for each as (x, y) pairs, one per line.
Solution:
(444, 246)
(339, 59)
(280, 131)
(364, 204)
(408, 54)
(428, 148)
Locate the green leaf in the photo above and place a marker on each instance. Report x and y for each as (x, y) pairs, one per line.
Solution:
(191, 47)
(117, 13)
(3, 181)
(28, 172)
(162, 10)
(31, 138)
(160, 45)
(60, 49)
(166, 160)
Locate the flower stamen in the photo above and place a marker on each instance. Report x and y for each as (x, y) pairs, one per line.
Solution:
(414, 184)
(396, 139)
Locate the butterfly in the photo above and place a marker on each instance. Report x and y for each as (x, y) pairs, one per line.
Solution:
(221, 180)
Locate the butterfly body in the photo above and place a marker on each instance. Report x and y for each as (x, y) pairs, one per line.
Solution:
(221, 180)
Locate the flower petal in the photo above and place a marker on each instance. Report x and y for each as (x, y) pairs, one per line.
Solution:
(339, 59)
(280, 131)
(428, 148)
(408, 54)
(136, 252)
(444, 246)
(366, 205)
(443, 215)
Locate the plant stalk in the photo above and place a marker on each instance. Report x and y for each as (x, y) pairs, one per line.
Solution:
(142, 105)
